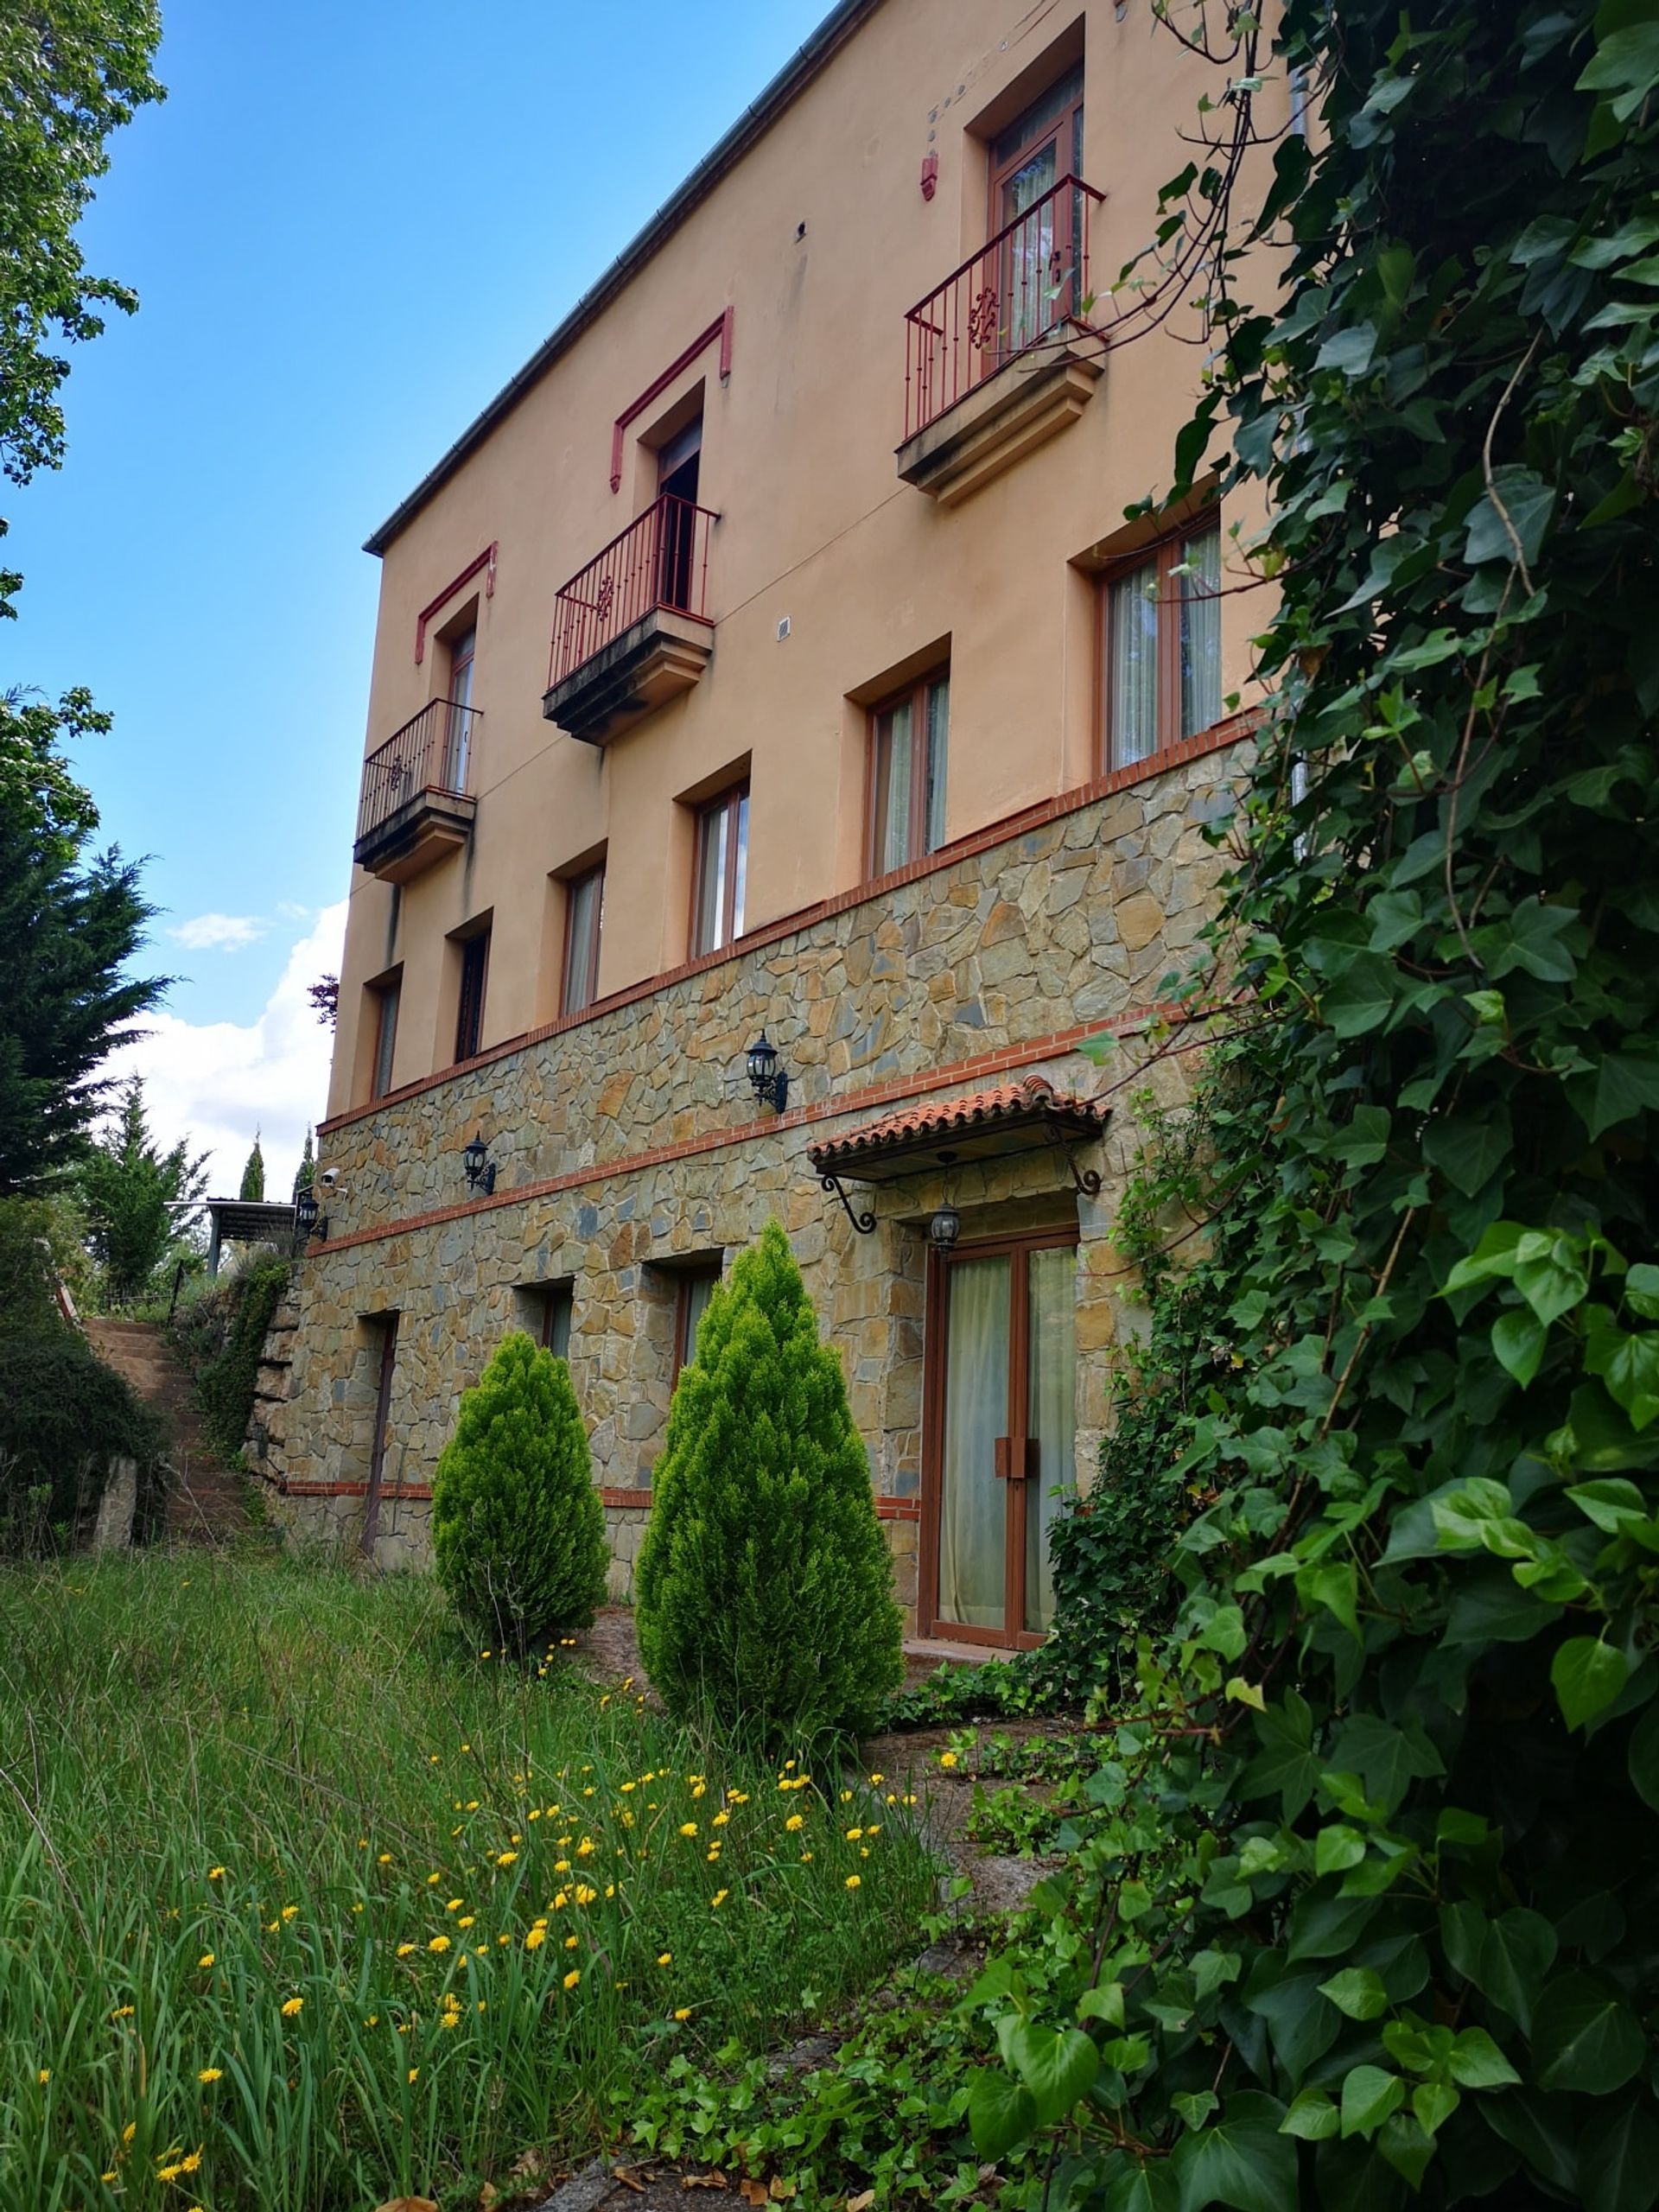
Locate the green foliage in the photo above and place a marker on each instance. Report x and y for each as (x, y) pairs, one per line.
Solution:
(1365, 1904)
(71, 72)
(64, 1416)
(139, 1199)
(221, 1336)
(518, 1529)
(31, 1250)
(252, 1187)
(305, 1175)
(764, 1591)
(68, 927)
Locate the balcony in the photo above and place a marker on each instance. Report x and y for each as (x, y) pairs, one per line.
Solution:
(630, 630)
(1002, 355)
(417, 804)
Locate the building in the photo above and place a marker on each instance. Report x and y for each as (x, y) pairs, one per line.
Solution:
(699, 718)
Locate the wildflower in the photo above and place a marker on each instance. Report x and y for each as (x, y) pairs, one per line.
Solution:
(205, 1960)
(688, 1828)
(450, 2020)
(720, 1820)
(864, 1851)
(573, 1977)
(404, 1950)
(666, 1959)
(505, 1858)
(466, 1747)
(290, 1912)
(846, 1796)
(561, 1866)
(169, 2173)
(467, 1920)
(413, 2072)
(718, 1900)
(455, 1905)
(683, 2012)
(584, 1894)
(571, 1942)
(874, 1828)
(121, 2012)
(292, 2007)
(947, 1758)
(536, 1938)
(191, 2164)
(472, 1804)
(585, 1848)
(439, 1943)
(855, 1835)
(737, 1796)
(45, 2075)
(854, 1881)
(215, 1874)
(806, 1859)
(876, 1780)
(795, 1822)
(211, 2073)
(432, 1881)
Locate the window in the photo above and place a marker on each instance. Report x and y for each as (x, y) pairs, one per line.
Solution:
(696, 1287)
(908, 743)
(551, 1308)
(469, 1015)
(458, 737)
(678, 464)
(385, 998)
(584, 914)
(1028, 159)
(722, 864)
(1162, 647)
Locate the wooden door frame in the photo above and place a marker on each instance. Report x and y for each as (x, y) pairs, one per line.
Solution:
(387, 1326)
(935, 1340)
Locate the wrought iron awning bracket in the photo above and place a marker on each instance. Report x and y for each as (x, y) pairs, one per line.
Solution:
(863, 1223)
(1086, 1179)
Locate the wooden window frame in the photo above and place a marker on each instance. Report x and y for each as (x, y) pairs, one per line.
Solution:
(713, 1274)
(935, 1352)
(590, 983)
(387, 996)
(730, 799)
(1167, 552)
(916, 845)
(550, 1297)
(475, 947)
(1067, 156)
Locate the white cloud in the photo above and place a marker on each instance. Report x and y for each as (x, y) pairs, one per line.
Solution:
(217, 1081)
(219, 932)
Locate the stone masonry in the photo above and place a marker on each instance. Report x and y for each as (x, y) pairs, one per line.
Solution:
(627, 1145)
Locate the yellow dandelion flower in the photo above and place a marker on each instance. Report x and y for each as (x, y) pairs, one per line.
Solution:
(111, 2175)
(215, 1874)
(449, 2020)
(384, 1859)
(629, 1788)
(947, 1758)
(585, 1848)
(806, 1859)
(571, 1942)
(290, 1911)
(573, 1977)
(536, 1938)
(404, 1950)
(876, 1780)
(169, 2173)
(855, 1835)
(439, 1943)
(505, 1858)
(432, 1881)
(666, 1959)
(584, 1894)
(205, 1960)
(467, 1920)
(795, 1823)
(292, 2007)
(688, 1828)
(414, 2073)
(854, 1881)
(682, 2012)
(121, 2012)
(128, 2130)
(466, 1747)
(737, 1796)
(455, 1905)
(191, 2163)
(718, 1900)
(45, 2075)
(720, 1820)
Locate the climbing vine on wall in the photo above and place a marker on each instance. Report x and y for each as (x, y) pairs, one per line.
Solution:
(1364, 1906)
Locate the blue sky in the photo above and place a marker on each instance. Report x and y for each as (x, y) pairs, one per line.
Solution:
(349, 226)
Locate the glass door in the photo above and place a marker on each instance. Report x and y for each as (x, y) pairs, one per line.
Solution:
(1001, 1450)
(1028, 159)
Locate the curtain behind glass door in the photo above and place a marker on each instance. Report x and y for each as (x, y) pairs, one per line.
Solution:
(973, 1503)
(1051, 1416)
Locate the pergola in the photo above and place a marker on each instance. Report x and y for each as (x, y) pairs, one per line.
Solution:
(247, 1221)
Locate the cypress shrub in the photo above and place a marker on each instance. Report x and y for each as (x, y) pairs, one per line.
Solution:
(764, 1587)
(518, 1529)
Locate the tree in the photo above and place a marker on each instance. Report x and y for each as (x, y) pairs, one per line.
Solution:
(518, 1529)
(140, 1201)
(68, 928)
(1367, 1913)
(764, 1595)
(324, 995)
(71, 72)
(252, 1188)
(306, 1174)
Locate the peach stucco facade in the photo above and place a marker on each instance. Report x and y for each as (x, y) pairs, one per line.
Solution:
(832, 580)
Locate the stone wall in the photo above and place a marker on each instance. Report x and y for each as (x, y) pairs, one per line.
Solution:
(627, 1144)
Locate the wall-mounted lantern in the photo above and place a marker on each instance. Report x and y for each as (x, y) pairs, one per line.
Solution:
(944, 1231)
(481, 1168)
(309, 1218)
(771, 1083)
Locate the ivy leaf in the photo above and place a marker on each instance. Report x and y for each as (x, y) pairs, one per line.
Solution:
(1058, 2066)
(1357, 1992)
(1387, 1759)
(1242, 2161)
(1618, 2159)
(1104, 2002)
(1195, 2106)
(1518, 1339)
(1553, 1282)
(1625, 64)
(1478, 2063)
(1468, 1153)
(1629, 1365)
(1369, 2093)
(1587, 1676)
(1151, 2188)
(1361, 998)
(1609, 1503)
(1585, 2037)
(1527, 501)
(1284, 1763)
(1000, 2113)
(1312, 2116)
(1407, 2147)
(1335, 1850)
(1334, 1586)
(1516, 1951)
(1642, 1290)
(1349, 351)
(1433, 2103)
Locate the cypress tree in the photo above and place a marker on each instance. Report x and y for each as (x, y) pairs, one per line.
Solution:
(518, 1529)
(764, 1588)
(253, 1175)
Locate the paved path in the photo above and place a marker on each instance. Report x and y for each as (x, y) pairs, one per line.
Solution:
(206, 1501)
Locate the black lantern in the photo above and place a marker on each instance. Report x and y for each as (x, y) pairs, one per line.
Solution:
(771, 1082)
(481, 1168)
(943, 1229)
(306, 1213)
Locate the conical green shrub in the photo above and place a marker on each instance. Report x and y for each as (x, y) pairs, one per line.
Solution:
(764, 1591)
(518, 1529)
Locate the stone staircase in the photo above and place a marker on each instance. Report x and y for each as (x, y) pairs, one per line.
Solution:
(206, 1501)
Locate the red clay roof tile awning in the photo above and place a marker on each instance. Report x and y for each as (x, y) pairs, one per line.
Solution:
(1015, 1118)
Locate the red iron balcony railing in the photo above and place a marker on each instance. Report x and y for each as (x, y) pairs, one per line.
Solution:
(434, 751)
(659, 560)
(1021, 286)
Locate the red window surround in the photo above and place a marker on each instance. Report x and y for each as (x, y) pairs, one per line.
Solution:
(485, 561)
(720, 328)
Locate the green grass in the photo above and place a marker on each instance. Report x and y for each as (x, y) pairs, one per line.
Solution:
(234, 1788)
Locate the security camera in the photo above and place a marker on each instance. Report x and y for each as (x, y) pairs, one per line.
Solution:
(330, 1177)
